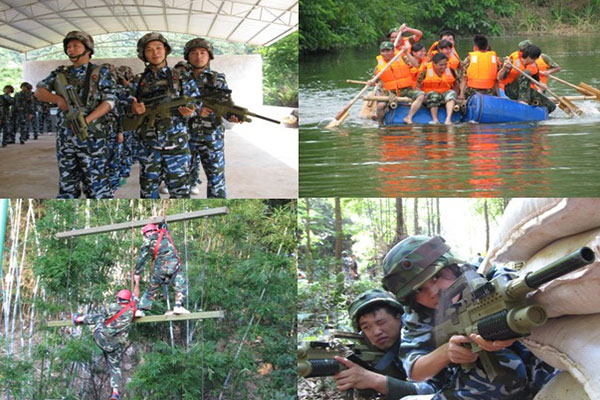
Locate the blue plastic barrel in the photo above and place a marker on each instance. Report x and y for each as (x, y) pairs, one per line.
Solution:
(422, 116)
(487, 109)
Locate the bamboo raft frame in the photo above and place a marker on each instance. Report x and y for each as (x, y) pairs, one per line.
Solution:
(154, 318)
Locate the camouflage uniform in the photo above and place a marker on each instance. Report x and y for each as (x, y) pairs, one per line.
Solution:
(24, 107)
(404, 273)
(83, 162)
(164, 153)
(433, 98)
(112, 338)
(166, 269)
(207, 144)
(6, 102)
(391, 368)
(129, 145)
(45, 119)
(520, 89)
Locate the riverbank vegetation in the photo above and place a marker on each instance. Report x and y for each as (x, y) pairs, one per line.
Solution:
(330, 24)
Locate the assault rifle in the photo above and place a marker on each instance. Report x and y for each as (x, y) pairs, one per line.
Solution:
(74, 114)
(497, 309)
(220, 103)
(315, 358)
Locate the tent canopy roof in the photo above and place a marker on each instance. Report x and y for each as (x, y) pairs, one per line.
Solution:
(27, 25)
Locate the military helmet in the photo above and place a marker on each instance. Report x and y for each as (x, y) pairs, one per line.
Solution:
(83, 37)
(150, 37)
(413, 261)
(125, 72)
(367, 298)
(344, 253)
(524, 44)
(10, 87)
(198, 42)
(27, 85)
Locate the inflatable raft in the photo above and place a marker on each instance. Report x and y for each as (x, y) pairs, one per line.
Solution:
(480, 108)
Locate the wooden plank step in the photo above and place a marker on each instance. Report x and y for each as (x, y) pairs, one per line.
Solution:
(155, 318)
(211, 212)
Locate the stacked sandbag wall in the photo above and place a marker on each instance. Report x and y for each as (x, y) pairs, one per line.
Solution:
(536, 232)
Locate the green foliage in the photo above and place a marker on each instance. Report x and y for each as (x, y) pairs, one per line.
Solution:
(332, 24)
(15, 376)
(280, 72)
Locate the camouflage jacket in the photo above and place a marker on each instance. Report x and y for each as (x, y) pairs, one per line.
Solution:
(6, 102)
(108, 336)
(152, 88)
(25, 102)
(207, 79)
(102, 88)
(527, 376)
(166, 256)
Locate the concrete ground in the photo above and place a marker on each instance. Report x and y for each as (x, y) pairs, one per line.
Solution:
(261, 161)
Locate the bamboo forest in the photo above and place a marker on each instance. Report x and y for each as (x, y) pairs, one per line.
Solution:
(68, 258)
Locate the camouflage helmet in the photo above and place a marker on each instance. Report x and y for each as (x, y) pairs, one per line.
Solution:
(125, 72)
(151, 37)
(344, 253)
(83, 37)
(198, 42)
(27, 85)
(9, 87)
(413, 261)
(524, 44)
(367, 298)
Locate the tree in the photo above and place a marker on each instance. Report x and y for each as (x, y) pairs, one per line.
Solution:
(400, 232)
(338, 232)
(416, 217)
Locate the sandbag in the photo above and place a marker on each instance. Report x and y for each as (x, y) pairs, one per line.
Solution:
(562, 386)
(577, 292)
(572, 344)
(529, 224)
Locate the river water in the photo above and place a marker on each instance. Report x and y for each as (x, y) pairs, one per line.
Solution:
(557, 157)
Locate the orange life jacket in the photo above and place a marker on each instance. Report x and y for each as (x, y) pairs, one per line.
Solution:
(415, 71)
(453, 62)
(517, 61)
(433, 82)
(397, 76)
(542, 66)
(483, 70)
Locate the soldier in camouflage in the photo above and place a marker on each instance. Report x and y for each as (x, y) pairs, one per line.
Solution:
(416, 270)
(164, 151)
(111, 329)
(378, 315)
(129, 145)
(82, 163)
(24, 112)
(159, 248)
(7, 102)
(521, 88)
(45, 119)
(206, 130)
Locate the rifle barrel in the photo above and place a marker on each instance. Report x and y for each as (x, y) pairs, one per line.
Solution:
(560, 267)
(263, 117)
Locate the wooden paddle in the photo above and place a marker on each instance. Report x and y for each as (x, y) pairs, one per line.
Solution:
(564, 104)
(591, 89)
(578, 88)
(368, 107)
(342, 115)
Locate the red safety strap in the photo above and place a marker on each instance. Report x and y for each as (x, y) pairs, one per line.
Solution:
(122, 311)
(164, 230)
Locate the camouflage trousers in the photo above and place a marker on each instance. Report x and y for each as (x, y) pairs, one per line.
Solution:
(112, 348)
(171, 165)
(44, 122)
(128, 153)
(208, 148)
(82, 164)
(469, 91)
(525, 376)
(410, 93)
(520, 89)
(164, 274)
(4, 133)
(113, 165)
(435, 99)
(25, 126)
